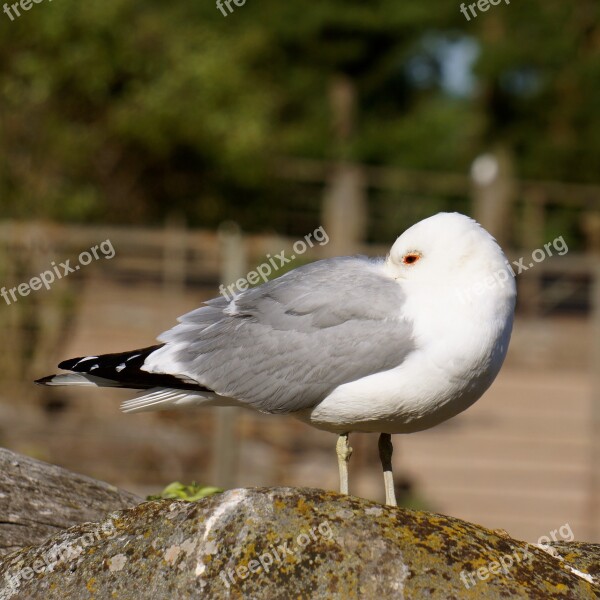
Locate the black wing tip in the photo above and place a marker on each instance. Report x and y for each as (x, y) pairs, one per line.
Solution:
(68, 364)
(44, 380)
(123, 369)
(72, 364)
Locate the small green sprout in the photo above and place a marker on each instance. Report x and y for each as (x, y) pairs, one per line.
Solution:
(191, 492)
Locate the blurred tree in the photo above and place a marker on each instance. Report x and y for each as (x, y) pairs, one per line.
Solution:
(122, 112)
(540, 81)
(125, 111)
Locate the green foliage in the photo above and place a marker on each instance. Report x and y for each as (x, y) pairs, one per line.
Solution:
(541, 70)
(191, 492)
(124, 111)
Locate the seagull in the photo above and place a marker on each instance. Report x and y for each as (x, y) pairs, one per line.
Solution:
(349, 344)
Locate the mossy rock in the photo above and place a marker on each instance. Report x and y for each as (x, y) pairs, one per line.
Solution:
(282, 543)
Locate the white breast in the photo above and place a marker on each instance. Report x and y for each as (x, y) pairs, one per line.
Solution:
(460, 347)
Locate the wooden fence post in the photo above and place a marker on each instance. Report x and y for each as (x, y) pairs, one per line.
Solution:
(174, 258)
(531, 237)
(225, 446)
(344, 210)
(493, 192)
(594, 466)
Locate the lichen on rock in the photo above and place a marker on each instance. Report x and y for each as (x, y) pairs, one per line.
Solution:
(291, 543)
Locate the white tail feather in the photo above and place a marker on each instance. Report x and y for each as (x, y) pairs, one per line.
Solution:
(80, 379)
(167, 398)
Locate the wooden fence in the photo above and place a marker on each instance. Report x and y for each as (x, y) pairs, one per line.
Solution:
(175, 258)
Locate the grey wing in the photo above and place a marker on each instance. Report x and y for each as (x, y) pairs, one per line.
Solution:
(288, 343)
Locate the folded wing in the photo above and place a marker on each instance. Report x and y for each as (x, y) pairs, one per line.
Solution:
(285, 345)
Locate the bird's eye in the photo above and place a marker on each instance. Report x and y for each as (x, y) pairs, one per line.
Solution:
(411, 258)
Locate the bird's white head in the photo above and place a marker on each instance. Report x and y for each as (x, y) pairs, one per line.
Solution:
(451, 250)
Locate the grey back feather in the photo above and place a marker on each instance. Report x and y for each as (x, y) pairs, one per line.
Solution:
(285, 345)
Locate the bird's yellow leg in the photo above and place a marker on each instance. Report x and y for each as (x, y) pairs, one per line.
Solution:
(344, 452)
(385, 454)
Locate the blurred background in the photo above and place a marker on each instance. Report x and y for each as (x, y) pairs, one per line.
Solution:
(199, 143)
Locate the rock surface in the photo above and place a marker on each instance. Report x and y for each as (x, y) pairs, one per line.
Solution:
(286, 543)
(38, 500)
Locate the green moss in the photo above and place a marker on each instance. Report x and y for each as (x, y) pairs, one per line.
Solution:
(191, 493)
